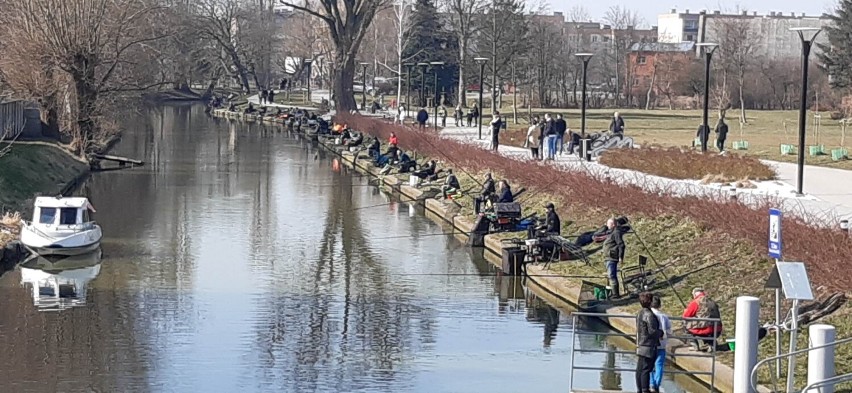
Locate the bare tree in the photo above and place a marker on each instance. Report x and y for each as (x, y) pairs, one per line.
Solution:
(738, 40)
(98, 45)
(623, 23)
(503, 36)
(348, 22)
(578, 13)
(464, 22)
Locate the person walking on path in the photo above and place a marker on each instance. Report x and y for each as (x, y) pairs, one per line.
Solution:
(616, 126)
(442, 113)
(474, 112)
(648, 335)
(496, 125)
(561, 127)
(458, 115)
(422, 118)
(550, 134)
(400, 115)
(721, 133)
(533, 141)
(660, 361)
(614, 249)
(270, 96)
(263, 94)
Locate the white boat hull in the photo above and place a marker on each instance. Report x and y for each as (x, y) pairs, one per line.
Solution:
(61, 242)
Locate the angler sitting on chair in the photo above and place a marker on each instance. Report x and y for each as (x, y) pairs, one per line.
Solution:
(488, 190)
(391, 156)
(506, 195)
(375, 148)
(427, 171)
(406, 164)
(451, 184)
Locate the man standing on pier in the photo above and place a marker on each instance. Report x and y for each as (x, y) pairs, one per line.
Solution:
(614, 249)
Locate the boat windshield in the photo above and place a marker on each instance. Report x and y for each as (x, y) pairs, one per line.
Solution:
(47, 215)
(68, 216)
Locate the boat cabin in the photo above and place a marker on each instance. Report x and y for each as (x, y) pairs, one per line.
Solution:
(50, 211)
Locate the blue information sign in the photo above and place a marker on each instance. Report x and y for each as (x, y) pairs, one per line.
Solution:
(775, 233)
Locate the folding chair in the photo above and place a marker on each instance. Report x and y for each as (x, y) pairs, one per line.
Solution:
(635, 279)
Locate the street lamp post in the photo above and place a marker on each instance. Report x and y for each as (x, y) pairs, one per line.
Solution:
(481, 61)
(585, 57)
(422, 92)
(408, 67)
(704, 132)
(308, 63)
(807, 35)
(364, 85)
(436, 65)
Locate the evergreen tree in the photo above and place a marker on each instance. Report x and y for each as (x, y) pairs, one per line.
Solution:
(429, 41)
(837, 54)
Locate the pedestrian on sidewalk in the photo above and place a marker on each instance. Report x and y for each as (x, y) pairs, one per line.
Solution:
(721, 133)
(469, 118)
(263, 94)
(442, 113)
(422, 118)
(616, 126)
(648, 334)
(533, 141)
(458, 115)
(270, 97)
(660, 360)
(550, 134)
(496, 125)
(561, 128)
(400, 115)
(476, 115)
(542, 138)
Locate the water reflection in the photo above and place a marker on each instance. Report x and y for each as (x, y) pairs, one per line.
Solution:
(60, 282)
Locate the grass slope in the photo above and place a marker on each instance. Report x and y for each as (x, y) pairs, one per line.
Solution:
(35, 169)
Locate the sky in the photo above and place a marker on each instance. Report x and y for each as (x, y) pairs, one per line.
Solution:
(649, 9)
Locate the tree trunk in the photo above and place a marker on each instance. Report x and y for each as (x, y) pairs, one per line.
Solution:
(462, 61)
(344, 95)
(650, 89)
(743, 119)
(87, 96)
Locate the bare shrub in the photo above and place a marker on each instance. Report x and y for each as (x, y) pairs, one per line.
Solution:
(676, 163)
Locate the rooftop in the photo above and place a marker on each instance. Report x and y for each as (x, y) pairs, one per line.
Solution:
(687, 46)
(75, 202)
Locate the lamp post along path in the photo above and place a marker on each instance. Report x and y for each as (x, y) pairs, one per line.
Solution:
(807, 35)
(481, 61)
(585, 57)
(704, 132)
(436, 65)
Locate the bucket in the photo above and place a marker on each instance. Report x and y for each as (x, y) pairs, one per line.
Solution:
(413, 180)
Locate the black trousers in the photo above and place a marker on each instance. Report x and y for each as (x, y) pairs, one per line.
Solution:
(720, 144)
(495, 142)
(644, 367)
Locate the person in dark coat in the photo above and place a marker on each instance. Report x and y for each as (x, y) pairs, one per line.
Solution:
(616, 126)
(451, 184)
(422, 118)
(552, 224)
(703, 134)
(488, 190)
(263, 95)
(496, 125)
(721, 133)
(506, 195)
(648, 335)
(561, 127)
(270, 96)
(428, 170)
(614, 249)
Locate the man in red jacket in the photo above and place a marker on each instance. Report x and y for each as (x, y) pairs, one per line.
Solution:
(705, 309)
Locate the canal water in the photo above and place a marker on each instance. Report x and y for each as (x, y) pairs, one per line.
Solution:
(244, 259)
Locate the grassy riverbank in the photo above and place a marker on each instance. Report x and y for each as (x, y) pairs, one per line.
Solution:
(692, 248)
(31, 169)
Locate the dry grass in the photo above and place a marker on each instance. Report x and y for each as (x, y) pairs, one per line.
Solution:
(678, 163)
(765, 130)
(10, 227)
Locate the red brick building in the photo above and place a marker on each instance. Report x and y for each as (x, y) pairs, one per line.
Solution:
(658, 63)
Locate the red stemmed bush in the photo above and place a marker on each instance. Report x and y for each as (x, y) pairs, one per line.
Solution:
(825, 251)
(677, 163)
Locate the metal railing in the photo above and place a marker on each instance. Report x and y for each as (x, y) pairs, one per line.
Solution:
(833, 380)
(603, 316)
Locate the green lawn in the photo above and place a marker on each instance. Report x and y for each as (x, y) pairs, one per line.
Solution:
(35, 169)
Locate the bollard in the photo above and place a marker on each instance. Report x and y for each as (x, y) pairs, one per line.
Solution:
(821, 361)
(745, 354)
(844, 226)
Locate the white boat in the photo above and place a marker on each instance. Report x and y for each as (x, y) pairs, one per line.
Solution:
(58, 283)
(61, 226)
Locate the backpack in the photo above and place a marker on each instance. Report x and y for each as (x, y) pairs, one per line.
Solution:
(707, 309)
